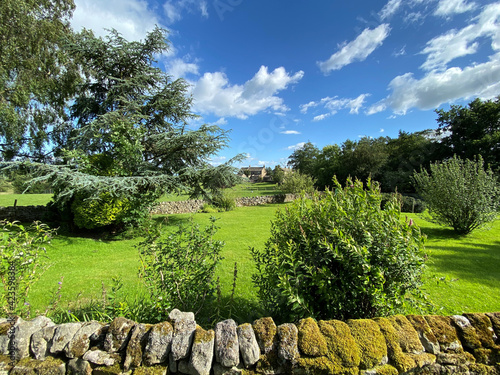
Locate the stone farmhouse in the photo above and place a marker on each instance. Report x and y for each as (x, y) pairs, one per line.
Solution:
(254, 174)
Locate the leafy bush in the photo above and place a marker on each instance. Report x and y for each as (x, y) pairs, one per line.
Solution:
(95, 213)
(339, 255)
(296, 183)
(20, 251)
(224, 201)
(459, 193)
(179, 269)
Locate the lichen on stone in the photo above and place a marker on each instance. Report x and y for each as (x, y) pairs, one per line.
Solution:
(407, 335)
(484, 329)
(425, 334)
(342, 347)
(400, 360)
(445, 333)
(151, 370)
(202, 336)
(310, 340)
(265, 332)
(370, 340)
(384, 370)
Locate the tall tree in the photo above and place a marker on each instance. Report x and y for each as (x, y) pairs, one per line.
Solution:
(36, 77)
(472, 130)
(129, 137)
(304, 159)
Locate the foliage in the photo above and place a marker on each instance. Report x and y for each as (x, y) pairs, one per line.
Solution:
(21, 184)
(340, 256)
(128, 134)
(296, 183)
(472, 130)
(406, 203)
(179, 269)
(303, 159)
(459, 193)
(98, 212)
(21, 250)
(224, 201)
(278, 175)
(36, 76)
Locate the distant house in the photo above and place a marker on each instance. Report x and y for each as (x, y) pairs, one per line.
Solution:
(253, 173)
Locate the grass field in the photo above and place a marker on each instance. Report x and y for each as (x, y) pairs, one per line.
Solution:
(463, 273)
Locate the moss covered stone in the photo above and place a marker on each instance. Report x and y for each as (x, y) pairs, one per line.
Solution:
(407, 335)
(425, 334)
(495, 322)
(400, 360)
(111, 370)
(484, 329)
(310, 340)
(445, 333)
(151, 370)
(383, 370)
(288, 350)
(342, 348)
(50, 366)
(371, 342)
(265, 332)
(319, 366)
(480, 369)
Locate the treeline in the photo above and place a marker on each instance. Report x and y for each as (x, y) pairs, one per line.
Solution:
(464, 131)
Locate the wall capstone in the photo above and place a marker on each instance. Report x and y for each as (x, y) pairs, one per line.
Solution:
(460, 344)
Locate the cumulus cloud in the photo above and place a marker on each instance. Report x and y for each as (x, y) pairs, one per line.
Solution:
(436, 88)
(446, 8)
(357, 50)
(334, 105)
(214, 94)
(132, 18)
(456, 43)
(178, 68)
(290, 132)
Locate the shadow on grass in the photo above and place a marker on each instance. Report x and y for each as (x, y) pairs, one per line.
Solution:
(475, 262)
(441, 233)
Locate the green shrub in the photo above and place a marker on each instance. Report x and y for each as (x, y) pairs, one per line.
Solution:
(459, 193)
(179, 269)
(339, 255)
(296, 183)
(21, 249)
(209, 209)
(224, 201)
(96, 213)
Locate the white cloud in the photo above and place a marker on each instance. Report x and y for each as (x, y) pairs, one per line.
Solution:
(436, 88)
(221, 121)
(217, 160)
(335, 104)
(173, 9)
(132, 18)
(290, 132)
(456, 43)
(382, 130)
(390, 9)
(357, 50)
(322, 117)
(178, 68)
(446, 8)
(297, 146)
(214, 94)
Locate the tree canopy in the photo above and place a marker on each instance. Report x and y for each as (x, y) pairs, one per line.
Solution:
(36, 76)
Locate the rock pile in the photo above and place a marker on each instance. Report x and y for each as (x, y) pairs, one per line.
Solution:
(465, 344)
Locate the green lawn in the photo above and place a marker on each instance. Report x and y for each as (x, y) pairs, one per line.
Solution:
(463, 273)
(24, 199)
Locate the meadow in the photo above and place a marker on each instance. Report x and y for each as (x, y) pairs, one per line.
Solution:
(462, 272)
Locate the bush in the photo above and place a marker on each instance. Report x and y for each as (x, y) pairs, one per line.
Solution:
(20, 251)
(179, 270)
(224, 201)
(96, 213)
(296, 183)
(406, 202)
(339, 255)
(459, 193)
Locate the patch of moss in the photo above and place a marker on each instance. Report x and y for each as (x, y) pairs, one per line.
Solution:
(202, 336)
(111, 370)
(151, 370)
(464, 358)
(268, 363)
(480, 369)
(310, 340)
(425, 334)
(319, 366)
(342, 347)
(422, 359)
(407, 335)
(445, 333)
(265, 332)
(466, 332)
(495, 321)
(484, 329)
(400, 360)
(386, 370)
(370, 340)
(288, 343)
(50, 366)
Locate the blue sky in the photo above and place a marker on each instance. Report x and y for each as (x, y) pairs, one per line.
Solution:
(281, 73)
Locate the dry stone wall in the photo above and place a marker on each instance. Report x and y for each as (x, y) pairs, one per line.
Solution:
(459, 344)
